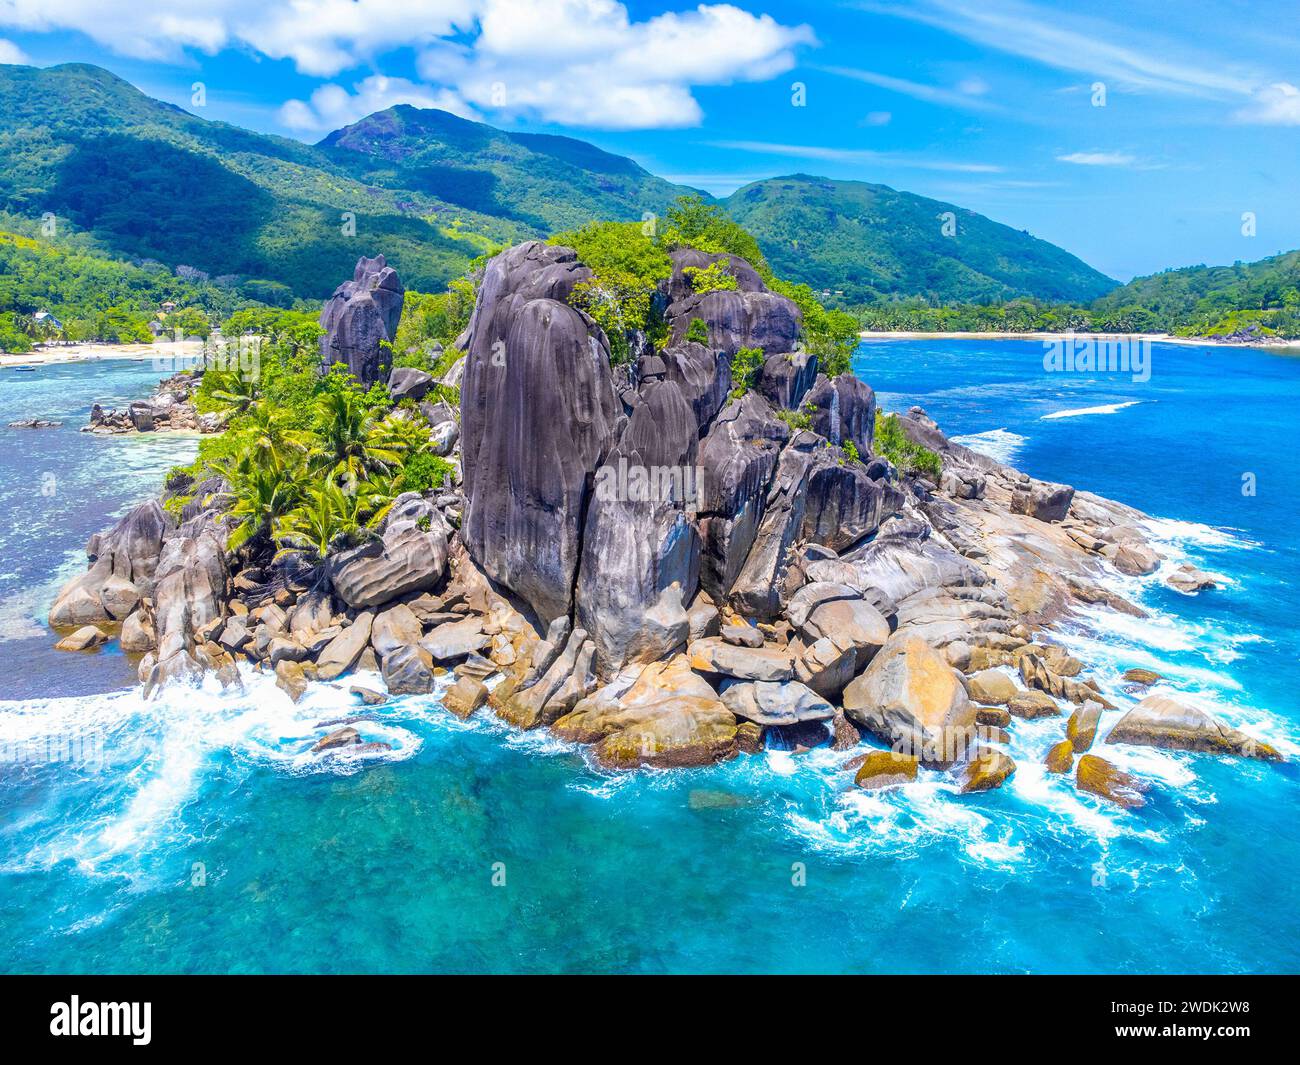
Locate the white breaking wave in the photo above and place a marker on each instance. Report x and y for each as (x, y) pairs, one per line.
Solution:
(124, 768)
(1002, 445)
(1105, 408)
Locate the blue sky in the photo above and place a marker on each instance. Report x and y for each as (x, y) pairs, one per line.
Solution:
(993, 105)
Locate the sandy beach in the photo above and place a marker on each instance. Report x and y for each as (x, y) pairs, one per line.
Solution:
(1164, 338)
(60, 353)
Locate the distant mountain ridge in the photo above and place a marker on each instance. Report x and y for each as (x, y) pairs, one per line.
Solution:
(149, 180)
(872, 242)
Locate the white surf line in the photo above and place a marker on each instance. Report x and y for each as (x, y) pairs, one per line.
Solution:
(1106, 408)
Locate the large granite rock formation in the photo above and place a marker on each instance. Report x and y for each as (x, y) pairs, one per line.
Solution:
(123, 561)
(641, 548)
(539, 415)
(748, 316)
(361, 315)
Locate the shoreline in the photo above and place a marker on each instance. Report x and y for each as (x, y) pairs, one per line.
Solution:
(1163, 338)
(57, 356)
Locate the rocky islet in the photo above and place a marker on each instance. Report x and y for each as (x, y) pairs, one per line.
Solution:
(805, 586)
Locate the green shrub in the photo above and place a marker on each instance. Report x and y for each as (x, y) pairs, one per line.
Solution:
(698, 331)
(716, 277)
(746, 365)
(424, 472)
(910, 458)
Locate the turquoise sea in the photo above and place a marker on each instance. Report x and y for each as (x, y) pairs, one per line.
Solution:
(193, 835)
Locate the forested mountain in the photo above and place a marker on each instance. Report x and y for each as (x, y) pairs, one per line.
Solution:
(148, 180)
(870, 242)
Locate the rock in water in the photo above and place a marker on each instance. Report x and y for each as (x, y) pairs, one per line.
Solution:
(660, 715)
(1081, 729)
(884, 769)
(1158, 721)
(1060, 758)
(1100, 777)
(361, 315)
(86, 638)
(912, 699)
(123, 561)
(776, 702)
(987, 770)
(539, 415)
(465, 696)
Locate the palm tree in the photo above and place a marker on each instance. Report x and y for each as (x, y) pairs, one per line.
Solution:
(234, 390)
(270, 441)
(263, 495)
(347, 451)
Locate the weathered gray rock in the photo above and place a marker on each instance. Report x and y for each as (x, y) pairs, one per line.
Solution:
(776, 703)
(738, 457)
(911, 698)
(786, 378)
(123, 561)
(406, 382)
(342, 652)
(843, 504)
(456, 639)
(756, 591)
(404, 561)
(713, 655)
(844, 411)
(138, 632)
(1136, 560)
(538, 416)
(393, 628)
(1043, 500)
(408, 670)
(359, 317)
(641, 549)
(1158, 721)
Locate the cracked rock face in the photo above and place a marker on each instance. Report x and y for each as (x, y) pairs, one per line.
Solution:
(539, 415)
(361, 315)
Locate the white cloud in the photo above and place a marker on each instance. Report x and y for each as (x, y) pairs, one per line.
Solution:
(1274, 105)
(876, 118)
(11, 53)
(1097, 159)
(1077, 43)
(933, 94)
(332, 106)
(586, 63)
(973, 86)
(577, 62)
(322, 37)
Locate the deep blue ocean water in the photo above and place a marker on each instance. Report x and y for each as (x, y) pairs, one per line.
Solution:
(193, 835)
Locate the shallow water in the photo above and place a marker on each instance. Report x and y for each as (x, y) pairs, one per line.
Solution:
(192, 834)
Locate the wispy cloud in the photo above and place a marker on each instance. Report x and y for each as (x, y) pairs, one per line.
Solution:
(1273, 105)
(967, 98)
(1098, 158)
(1075, 43)
(855, 155)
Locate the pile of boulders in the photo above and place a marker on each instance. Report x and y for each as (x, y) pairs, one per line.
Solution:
(169, 409)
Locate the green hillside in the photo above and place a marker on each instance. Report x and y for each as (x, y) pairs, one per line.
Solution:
(147, 180)
(150, 180)
(540, 182)
(870, 242)
(1216, 300)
